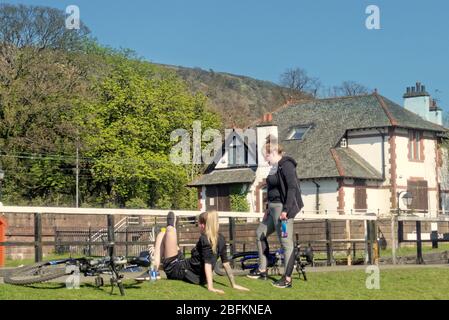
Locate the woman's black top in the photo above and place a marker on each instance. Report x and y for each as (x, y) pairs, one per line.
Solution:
(273, 189)
(288, 186)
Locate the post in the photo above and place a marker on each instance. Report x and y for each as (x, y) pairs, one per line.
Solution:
(348, 245)
(434, 235)
(232, 235)
(126, 240)
(37, 237)
(400, 231)
(354, 251)
(111, 236)
(89, 248)
(419, 258)
(377, 243)
(329, 249)
(368, 243)
(393, 238)
(371, 238)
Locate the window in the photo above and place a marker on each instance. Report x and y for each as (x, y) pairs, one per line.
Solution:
(415, 146)
(298, 133)
(344, 143)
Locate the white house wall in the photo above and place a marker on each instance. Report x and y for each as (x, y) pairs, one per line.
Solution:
(368, 147)
(327, 197)
(378, 200)
(407, 169)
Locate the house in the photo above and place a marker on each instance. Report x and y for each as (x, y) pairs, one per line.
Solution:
(354, 154)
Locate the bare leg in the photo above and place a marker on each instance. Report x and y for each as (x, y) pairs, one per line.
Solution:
(158, 249)
(170, 243)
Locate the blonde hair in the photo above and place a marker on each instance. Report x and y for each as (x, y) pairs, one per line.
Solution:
(210, 220)
(271, 145)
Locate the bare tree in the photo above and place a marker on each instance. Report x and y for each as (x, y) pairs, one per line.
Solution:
(351, 88)
(297, 79)
(37, 27)
(346, 89)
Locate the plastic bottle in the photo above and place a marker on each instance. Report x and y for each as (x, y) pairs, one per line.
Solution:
(284, 229)
(153, 272)
(153, 275)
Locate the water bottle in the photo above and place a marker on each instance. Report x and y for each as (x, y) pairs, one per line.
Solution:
(153, 271)
(153, 274)
(284, 229)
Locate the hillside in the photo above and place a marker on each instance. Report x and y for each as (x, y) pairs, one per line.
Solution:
(240, 100)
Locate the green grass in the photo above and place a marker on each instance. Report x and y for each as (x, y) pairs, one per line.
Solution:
(411, 283)
(401, 252)
(411, 251)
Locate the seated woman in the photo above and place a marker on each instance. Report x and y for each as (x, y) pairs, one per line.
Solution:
(199, 267)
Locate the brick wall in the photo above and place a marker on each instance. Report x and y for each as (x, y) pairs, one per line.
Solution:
(309, 231)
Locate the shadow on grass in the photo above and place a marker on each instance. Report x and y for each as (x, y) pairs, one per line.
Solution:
(45, 286)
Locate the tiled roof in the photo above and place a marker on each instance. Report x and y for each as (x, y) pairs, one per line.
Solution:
(331, 118)
(354, 166)
(225, 176)
(318, 153)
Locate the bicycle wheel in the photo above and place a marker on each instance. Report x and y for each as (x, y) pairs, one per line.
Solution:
(36, 273)
(242, 264)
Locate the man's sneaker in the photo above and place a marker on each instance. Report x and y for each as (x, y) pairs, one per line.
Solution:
(282, 283)
(256, 274)
(143, 277)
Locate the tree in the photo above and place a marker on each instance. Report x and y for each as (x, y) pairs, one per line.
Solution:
(347, 89)
(39, 28)
(140, 105)
(297, 79)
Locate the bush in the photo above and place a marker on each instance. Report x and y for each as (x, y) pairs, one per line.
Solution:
(239, 203)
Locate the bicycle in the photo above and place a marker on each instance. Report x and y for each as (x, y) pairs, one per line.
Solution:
(244, 262)
(89, 267)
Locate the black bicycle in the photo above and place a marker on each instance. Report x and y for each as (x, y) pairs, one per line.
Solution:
(244, 262)
(89, 267)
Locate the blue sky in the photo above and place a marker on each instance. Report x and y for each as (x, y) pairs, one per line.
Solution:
(261, 38)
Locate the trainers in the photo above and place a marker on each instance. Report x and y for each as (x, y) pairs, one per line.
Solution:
(282, 283)
(143, 277)
(171, 219)
(256, 274)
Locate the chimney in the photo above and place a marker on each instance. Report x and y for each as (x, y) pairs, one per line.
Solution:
(418, 90)
(419, 101)
(267, 117)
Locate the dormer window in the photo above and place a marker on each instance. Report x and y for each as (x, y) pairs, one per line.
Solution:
(298, 133)
(344, 143)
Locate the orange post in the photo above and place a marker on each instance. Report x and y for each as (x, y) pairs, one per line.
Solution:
(3, 226)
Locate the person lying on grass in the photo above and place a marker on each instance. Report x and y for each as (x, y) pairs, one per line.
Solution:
(198, 269)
